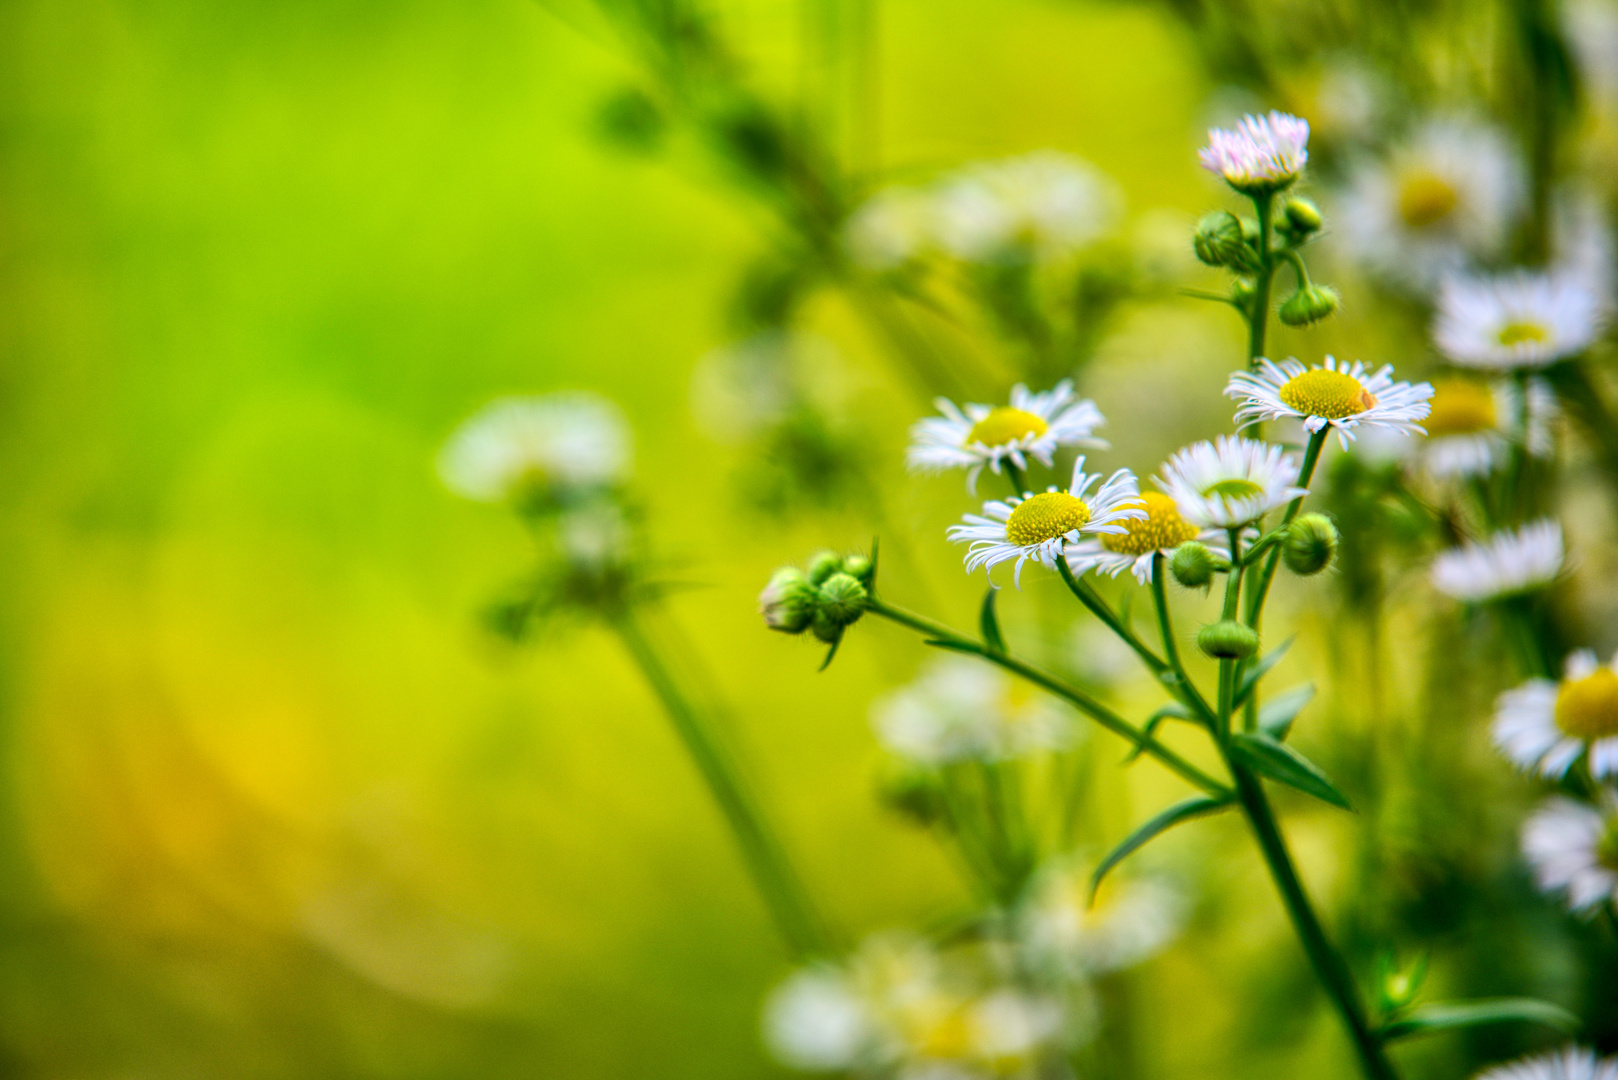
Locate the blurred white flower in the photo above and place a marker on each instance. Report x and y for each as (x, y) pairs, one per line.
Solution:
(959, 709)
(1572, 848)
(1506, 564)
(1032, 427)
(1571, 1063)
(1590, 28)
(1449, 194)
(1230, 481)
(1472, 425)
(894, 227)
(1517, 320)
(817, 1022)
(1544, 726)
(1047, 204)
(1131, 920)
(1261, 153)
(557, 443)
(1335, 395)
(740, 389)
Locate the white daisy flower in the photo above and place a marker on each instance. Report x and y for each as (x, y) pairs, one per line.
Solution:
(519, 446)
(1450, 193)
(1131, 920)
(962, 710)
(1158, 533)
(892, 228)
(1517, 320)
(1045, 204)
(1506, 564)
(1039, 526)
(1572, 848)
(1472, 425)
(1231, 481)
(1261, 154)
(817, 1022)
(1544, 726)
(1032, 426)
(1570, 1063)
(1340, 396)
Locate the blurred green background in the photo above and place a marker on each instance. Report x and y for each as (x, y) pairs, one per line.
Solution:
(274, 805)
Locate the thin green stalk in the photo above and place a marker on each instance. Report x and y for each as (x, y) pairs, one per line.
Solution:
(1046, 681)
(1103, 611)
(1328, 963)
(1259, 318)
(1186, 690)
(1311, 457)
(1015, 477)
(766, 860)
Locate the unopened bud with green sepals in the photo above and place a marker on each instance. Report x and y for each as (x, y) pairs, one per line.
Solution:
(1228, 639)
(1310, 544)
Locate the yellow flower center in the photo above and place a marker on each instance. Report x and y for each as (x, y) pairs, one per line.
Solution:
(1587, 708)
(1460, 407)
(1045, 517)
(1005, 425)
(1161, 529)
(1329, 394)
(1425, 199)
(1522, 333)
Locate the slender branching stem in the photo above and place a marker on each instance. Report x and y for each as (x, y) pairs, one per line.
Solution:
(1259, 317)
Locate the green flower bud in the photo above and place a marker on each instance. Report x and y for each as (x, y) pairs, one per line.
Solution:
(1310, 545)
(823, 565)
(1218, 240)
(1309, 305)
(789, 601)
(859, 567)
(1302, 215)
(1228, 639)
(913, 793)
(841, 603)
(1192, 564)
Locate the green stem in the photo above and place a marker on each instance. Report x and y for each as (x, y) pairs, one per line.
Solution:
(1259, 318)
(1046, 681)
(781, 888)
(1103, 611)
(1015, 476)
(1329, 965)
(1306, 472)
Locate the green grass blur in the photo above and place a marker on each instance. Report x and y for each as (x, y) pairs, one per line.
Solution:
(273, 807)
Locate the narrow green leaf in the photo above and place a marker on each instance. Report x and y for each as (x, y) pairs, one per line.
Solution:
(831, 652)
(990, 622)
(1200, 806)
(1449, 1015)
(1258, 670)
(1176, 712)
(1281, 763)
(1275, 717)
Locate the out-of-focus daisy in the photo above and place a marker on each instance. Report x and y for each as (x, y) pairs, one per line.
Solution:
(1032, 426)
(1449, 194)
(1506, 564)
(892, 228)
(1572, 848)
(1132, 919)
(1260, 154)
(1518, 320)
(1039, 526)
(1569, 1063)
(1045, 204)
(1341, 396)
(816, 1021)
(1544, 726)
(1158, 533)
(961, 710)
(528, 447)
(1231, 481)
(1472, 423)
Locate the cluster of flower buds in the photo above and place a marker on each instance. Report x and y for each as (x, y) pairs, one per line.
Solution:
(825, 599)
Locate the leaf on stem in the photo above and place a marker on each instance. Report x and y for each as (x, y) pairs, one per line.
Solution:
(831, 652)
(989, 622)
(1200, 806)
(1450, 1015)
(1176, 712)
(1275, 717)
(1262, 754)
(1258, 670)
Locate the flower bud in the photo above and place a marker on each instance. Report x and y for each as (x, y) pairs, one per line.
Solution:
(1228, 639)
(1302, 215)
(1218, 240)
(789, 601)
(913, 793)
(1308, 305)
(860, 568)
(1310, 545)
(823, 565)
(841, 603)
(1242, 293)
(1192, 564)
